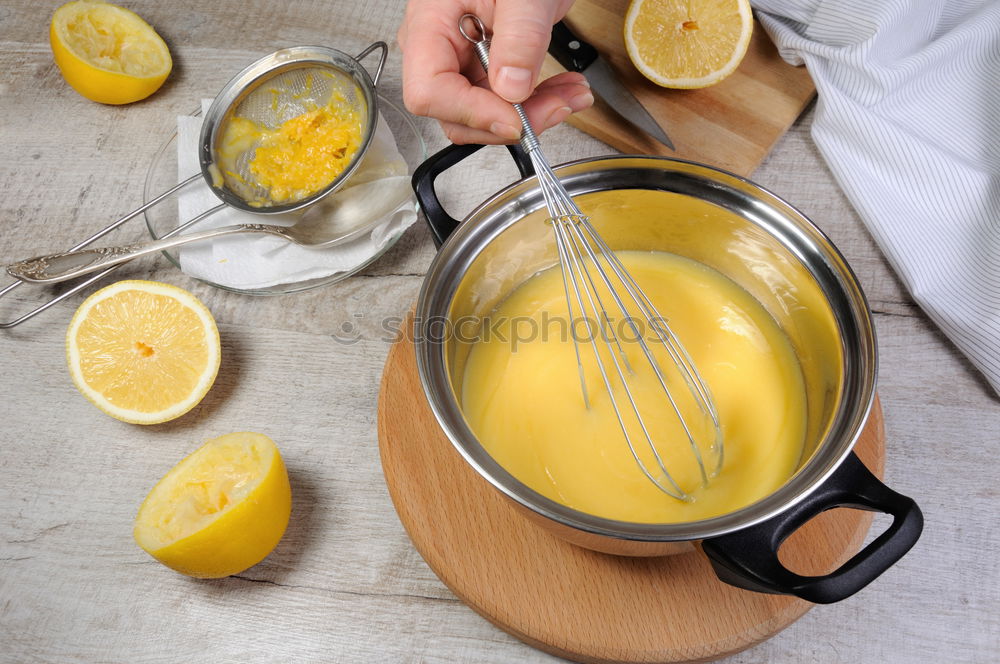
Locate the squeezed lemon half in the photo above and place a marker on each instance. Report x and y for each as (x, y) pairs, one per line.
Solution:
(219, 511)
(687, 43)
(107, 53)
(143, 351)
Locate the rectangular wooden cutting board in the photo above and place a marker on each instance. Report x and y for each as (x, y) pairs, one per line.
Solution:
(731, 125)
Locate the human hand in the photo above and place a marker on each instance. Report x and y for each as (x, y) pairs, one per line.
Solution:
(443, 79)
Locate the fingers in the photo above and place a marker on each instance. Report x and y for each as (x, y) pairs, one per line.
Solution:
(460, 134)
(521, 32)
(435, 55)
(556, 98)
(552, 102)
(450, 98)
(442, 77)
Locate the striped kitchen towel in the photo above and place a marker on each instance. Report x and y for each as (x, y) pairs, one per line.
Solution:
(908, 120)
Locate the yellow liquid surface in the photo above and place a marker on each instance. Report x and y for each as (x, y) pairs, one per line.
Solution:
(521, 395)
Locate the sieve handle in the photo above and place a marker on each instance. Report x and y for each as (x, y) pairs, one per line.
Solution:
(72, 264)
(381, 60)
(748, 558)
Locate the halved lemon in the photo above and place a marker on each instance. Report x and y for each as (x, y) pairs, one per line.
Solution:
(107, 53)
(687, 43)
(219, 511)
(143, 351)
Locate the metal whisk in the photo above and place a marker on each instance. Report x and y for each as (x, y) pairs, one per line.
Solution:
(587, 262)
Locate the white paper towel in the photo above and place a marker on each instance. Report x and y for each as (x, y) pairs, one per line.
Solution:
(908, 119)
(256, 261)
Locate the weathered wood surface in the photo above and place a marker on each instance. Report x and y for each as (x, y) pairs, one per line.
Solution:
(345, 584)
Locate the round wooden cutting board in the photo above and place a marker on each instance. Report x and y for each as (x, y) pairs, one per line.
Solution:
(565, 600)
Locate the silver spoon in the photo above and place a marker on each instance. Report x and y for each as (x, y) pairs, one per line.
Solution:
(321, 227)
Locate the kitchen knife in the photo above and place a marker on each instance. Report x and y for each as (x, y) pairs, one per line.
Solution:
(577, 55)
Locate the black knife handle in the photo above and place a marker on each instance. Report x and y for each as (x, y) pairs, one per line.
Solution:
(569, 50)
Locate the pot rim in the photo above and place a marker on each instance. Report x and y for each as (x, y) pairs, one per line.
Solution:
(836, 444)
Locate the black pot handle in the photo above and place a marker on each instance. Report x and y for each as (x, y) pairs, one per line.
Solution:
(441, 223)
(748, 558)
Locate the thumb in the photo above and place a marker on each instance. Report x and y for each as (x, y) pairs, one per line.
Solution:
(521, 32)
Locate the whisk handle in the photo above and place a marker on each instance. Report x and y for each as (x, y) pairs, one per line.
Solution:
(481, 45)
(748, 558)
(440, 222)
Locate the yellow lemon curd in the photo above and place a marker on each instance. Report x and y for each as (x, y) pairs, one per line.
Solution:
(522, 397)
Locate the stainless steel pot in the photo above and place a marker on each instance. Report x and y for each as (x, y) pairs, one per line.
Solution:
(748, 234)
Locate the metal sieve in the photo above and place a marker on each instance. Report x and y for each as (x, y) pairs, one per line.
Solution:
(272, 90)
(268, 93)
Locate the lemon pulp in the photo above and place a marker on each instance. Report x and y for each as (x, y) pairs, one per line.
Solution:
(143, 351)
(300, 156)
(687, 43)
(521, 396)
(222, 474)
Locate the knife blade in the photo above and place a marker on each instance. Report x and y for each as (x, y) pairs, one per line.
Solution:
(577, 55)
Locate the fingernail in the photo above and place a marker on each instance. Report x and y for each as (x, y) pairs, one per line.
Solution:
(513, 83)
(504, 130)
(558, 116)
(582, 101)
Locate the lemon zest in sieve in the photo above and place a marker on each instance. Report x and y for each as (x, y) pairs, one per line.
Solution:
(300, 156)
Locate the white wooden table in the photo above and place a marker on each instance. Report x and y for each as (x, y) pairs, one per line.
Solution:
(345, 584)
